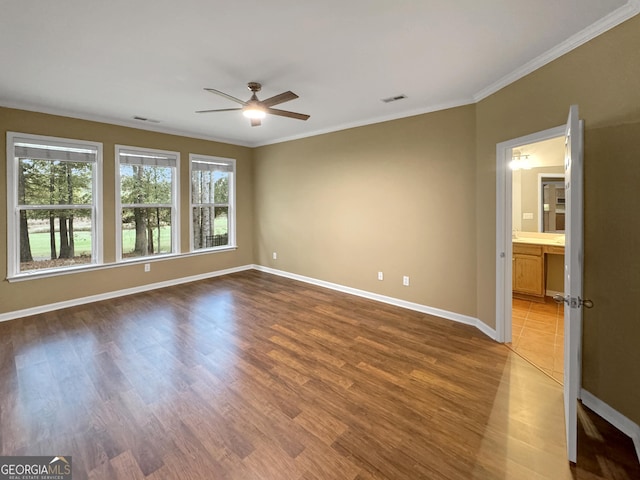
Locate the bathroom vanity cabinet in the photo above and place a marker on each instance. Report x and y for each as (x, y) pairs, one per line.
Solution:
(529, 268)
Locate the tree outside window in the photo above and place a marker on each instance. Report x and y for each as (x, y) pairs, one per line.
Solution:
(148, 186)
(52, 205)
(211, 201)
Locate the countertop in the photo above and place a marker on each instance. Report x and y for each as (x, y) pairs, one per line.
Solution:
(533, 238)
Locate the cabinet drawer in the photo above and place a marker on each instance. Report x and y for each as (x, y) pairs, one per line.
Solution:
(526, 249)
(555, 250)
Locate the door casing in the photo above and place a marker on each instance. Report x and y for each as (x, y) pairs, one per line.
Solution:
(504, 250)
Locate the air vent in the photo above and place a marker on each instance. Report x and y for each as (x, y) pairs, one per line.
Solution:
(144, 119)
(394, 99)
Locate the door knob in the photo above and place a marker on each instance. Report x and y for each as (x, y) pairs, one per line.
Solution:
(559, 298)
(585, 302)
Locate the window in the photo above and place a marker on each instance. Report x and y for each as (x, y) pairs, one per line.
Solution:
(53, 199)
(147, 193)
(212, 202)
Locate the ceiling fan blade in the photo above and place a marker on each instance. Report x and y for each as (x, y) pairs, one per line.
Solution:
(222, 94)
(283, 97)
(255, 122)
(284, 113)
(219, 110)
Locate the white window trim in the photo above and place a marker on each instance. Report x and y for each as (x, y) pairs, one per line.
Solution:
(13, 221)
(232, 202)
(175, 204)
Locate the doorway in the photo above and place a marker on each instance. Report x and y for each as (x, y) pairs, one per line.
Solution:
(532, 323)
(573, 254)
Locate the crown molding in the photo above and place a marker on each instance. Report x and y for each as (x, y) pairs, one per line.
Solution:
(361, 123)
(151, 127)
(627, 11)
(615, 18)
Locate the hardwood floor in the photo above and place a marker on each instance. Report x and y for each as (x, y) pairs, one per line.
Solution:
(253, 376)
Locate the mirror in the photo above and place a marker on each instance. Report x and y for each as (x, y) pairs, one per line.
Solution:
(538, 187)
(552, 218)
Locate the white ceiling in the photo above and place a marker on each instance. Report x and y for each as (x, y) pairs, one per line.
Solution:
(113, 60)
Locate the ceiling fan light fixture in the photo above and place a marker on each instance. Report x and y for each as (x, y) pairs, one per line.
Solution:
(254, 112)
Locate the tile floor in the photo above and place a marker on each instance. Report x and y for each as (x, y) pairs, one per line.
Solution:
(538, 335)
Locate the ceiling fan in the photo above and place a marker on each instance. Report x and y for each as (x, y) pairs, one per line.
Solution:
(255, 109)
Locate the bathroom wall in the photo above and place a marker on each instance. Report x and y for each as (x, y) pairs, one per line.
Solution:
(529, 182)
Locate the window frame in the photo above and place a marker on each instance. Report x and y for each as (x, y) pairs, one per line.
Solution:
(175, 202)
(231, 204)
(14, 207)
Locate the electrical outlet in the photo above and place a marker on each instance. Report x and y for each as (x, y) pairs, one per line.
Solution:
(527, 216)
(275, 255)
(147, 267)
(380, 276)
(405, 281)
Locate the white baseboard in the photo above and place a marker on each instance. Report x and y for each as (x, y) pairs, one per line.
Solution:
(456, 317)
(117, 293)
(615, 418)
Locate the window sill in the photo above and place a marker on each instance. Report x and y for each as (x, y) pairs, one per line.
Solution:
(103, 266)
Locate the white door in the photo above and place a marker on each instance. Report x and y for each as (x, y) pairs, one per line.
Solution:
(572, 278)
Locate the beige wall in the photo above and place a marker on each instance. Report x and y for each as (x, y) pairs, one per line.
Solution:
(612, 266)
(602, 78)
(395, 197)
(20, 295)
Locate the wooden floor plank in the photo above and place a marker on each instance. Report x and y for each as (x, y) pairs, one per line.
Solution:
(254, 376)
